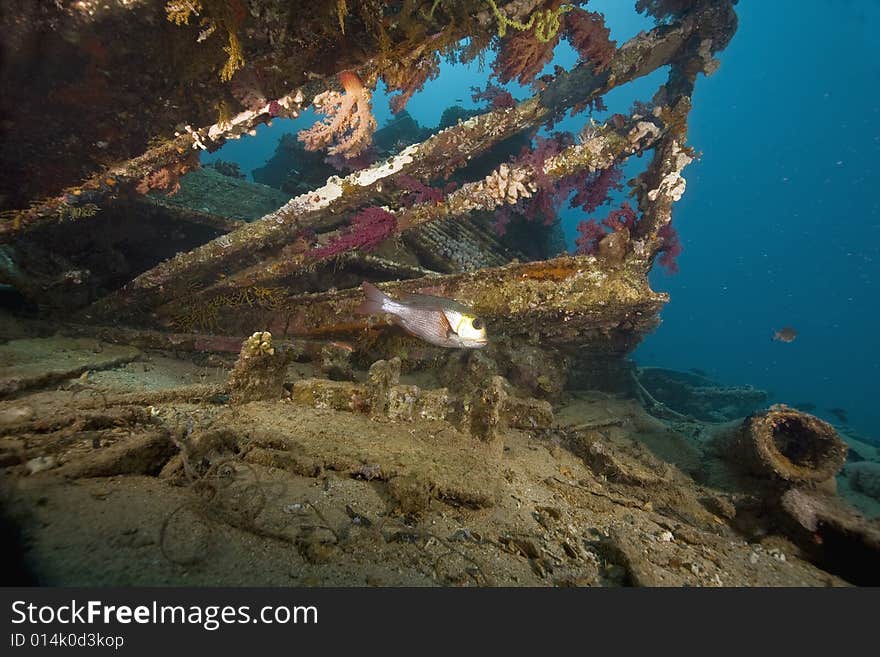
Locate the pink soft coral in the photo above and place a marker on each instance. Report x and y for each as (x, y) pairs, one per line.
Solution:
(671, 248)
(497, 97)
(593, 189)
(589, 234)
(349, 123)
(368, 229)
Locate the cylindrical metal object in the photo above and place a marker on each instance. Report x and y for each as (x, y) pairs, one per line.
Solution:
(783, 443)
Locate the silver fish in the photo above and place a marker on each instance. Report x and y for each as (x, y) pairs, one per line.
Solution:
(437, 320)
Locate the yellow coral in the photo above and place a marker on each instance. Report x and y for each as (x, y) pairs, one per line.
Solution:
(225, 14)
(179, 11)
(236, 57)
(546, 22)
(341, 13)
(198, 315)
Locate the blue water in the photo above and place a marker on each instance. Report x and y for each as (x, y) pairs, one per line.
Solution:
(780, 221)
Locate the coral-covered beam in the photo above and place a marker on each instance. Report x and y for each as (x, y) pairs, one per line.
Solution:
(662, 184)
(506, 185)
(568, 301)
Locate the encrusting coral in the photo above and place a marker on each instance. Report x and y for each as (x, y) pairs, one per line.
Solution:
(349, 126)
(259, 371)
(506, 185)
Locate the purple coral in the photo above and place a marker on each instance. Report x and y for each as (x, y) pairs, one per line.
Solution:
(620, 218)
(497, 97)
(502, 220)
(422, 193)
(589, 234)
(670, 249)
(543, 205)
(368, 229)
(594, 188)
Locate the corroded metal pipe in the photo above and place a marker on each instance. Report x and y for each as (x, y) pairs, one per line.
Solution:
(783, 443)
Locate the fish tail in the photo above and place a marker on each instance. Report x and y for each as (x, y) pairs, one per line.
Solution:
(375, 301)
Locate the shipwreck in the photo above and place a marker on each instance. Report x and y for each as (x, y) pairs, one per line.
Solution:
(206, 352)
(110, 250)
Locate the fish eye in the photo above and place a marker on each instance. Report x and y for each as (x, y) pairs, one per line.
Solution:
(477, 323)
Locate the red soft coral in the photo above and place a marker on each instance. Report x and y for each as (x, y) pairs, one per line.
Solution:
(620, 218)
(589, 234)
(422, 193)
(671, 248)
(542, 206)
(368, 229)
(410, 78)
(593, 189)
(497, 97)
(522, 56)
(366, 158)
(167, 179)
(586, 32)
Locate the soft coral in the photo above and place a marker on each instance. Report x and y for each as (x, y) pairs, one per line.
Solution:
(521, 56)
(368, 229)
(349, 121)
(670, 249)
(586, 32)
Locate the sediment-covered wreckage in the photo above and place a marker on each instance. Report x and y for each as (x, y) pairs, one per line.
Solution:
(112, 233)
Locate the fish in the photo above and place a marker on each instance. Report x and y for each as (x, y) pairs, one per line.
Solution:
(436, 320)
(785, 334)
(840, 414)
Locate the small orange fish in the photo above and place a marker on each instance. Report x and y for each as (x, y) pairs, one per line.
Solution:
(785, 334)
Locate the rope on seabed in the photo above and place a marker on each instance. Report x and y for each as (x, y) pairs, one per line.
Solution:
(646, 399)
(210, 505)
